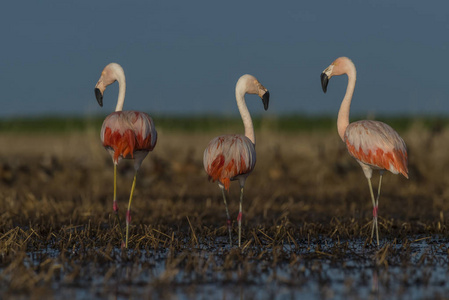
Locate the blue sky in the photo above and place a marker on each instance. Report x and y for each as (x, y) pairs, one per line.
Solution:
(185, 57)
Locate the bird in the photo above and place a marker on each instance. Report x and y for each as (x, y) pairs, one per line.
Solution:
(233, 156)
(373, 144)
(124, 134)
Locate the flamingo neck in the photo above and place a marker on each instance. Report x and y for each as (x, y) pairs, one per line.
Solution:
(244, 113)
(121, 91)
(343, 114)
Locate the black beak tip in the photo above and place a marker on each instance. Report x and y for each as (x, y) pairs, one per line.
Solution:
(99, 97)
(266, 100)
(324, 82)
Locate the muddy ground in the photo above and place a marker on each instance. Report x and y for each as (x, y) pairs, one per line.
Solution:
(306, 221)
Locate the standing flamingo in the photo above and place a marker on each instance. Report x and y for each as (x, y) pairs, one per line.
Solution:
(125, 134)
(375, 145)
(233, 156)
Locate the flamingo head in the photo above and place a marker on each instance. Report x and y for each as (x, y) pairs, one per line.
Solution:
(340, 66)
(248, 84)
(110, 74)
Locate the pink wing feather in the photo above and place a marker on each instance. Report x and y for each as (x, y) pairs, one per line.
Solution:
(377, 144)
(228, 156)
(127, 132)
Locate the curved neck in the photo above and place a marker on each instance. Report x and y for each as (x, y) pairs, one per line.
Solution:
(343, 114)
(244, 113)
(121, 92)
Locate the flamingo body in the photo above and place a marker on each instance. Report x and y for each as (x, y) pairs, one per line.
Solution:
(377, 145)
(229, 157)
(125, 133)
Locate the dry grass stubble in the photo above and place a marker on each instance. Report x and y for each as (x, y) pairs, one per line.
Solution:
(56, 199)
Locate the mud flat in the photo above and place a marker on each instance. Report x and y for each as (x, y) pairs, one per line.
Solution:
(306, 223)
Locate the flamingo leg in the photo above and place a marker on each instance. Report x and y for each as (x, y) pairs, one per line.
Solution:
(377, 205)
(128, 212)
(374, 213)
(239, 218)
(114, 204)
(228, 221)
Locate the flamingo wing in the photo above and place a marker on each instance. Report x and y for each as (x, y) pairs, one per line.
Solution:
(229, 156)
(377, 144)
(126, 132)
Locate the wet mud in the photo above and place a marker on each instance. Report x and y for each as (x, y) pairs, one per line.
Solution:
(307, 219)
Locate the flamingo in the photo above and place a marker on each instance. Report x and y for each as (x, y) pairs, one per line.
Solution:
(125, 134)
(233, 156)
(373, 144)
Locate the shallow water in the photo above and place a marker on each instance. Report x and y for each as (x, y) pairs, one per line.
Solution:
(320, 269)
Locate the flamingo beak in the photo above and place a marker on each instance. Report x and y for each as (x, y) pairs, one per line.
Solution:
(324, 81)
(99, 96)
(266, 99)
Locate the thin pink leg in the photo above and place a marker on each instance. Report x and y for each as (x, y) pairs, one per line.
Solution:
(115, 205)
(128, 212)
(375, 211)
(228, 221)
(128, 217)
(240, 215)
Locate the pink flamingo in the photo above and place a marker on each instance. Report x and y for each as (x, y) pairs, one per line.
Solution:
(125, 134)
(233, 156)
(375, 145)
